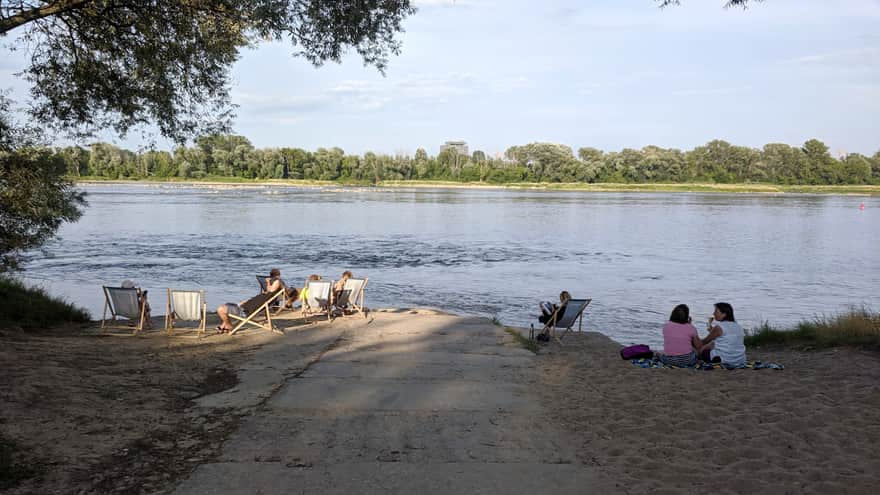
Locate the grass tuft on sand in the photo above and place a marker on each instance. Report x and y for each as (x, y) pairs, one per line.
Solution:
(524, 342)
(31, 308)
(857, 327)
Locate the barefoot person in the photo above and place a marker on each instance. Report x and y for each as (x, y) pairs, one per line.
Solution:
(725, 342)
(273, 285)
(680, 339)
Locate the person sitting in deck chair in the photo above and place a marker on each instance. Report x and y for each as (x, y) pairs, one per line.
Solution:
(339, 286)
(548, 310)
(142, 300)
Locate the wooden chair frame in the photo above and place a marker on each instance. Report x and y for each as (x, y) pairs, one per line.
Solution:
(557, 320)
(171, 315)
(263, 308)
(108, 304)
(326, 307)
(356, 301)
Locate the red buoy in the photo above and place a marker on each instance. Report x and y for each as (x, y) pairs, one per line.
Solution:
(862, 206)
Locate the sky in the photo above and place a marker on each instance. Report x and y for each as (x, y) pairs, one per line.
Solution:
(609, 74)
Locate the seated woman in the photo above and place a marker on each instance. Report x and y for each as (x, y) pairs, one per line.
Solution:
(725, 342)
(680, 339)
(339, 286)
(548, 309)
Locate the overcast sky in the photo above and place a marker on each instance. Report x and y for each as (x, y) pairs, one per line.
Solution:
(603, 73)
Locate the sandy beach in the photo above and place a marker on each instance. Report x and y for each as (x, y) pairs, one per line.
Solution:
(416, 400)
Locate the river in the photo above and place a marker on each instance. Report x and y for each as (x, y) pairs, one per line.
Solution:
(780, 258)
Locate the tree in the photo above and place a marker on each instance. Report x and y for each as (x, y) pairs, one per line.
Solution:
(35, 198)
(97, 64)
(730, 3)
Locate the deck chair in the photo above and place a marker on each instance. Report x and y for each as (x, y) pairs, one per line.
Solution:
(254, 308)
(187, 305)
(279, 304)
(352, 296)
(125, 302)
(565, 317)
(318, 301)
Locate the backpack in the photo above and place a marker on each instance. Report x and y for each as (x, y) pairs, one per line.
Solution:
(637, 351)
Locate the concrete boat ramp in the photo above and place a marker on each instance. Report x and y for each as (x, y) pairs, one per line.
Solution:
(396, 403)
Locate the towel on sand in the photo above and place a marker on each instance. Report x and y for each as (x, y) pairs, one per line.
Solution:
(753, 365)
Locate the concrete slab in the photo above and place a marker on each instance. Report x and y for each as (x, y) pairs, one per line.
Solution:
(319, 437)
(395, 477)
(415, 369)
(386, 395)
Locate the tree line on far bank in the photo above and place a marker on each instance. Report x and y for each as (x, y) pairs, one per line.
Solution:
(219, 156)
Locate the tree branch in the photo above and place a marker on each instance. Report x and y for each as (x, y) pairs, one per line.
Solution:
(9, 23)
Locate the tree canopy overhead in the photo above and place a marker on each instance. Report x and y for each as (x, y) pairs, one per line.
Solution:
(96, 64)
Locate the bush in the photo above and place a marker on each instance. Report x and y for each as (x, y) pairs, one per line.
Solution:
(32, 309)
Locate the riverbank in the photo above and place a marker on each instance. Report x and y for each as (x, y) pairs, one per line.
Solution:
(88, 413)
(861, 190)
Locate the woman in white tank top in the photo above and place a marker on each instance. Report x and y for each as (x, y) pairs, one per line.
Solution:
(725, 342)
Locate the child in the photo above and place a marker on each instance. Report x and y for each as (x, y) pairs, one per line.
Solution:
(680, 339)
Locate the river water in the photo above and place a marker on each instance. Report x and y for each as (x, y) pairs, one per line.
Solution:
(491, 252)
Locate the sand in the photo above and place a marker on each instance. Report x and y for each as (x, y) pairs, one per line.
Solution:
(416, 400)
(811, 428)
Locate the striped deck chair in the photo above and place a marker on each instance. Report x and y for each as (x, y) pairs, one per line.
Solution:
(352, 296)
(124, 302)
(257, 307)
(189, 305)
(318, 300)
(565, 317)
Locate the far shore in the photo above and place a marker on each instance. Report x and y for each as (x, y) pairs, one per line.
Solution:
(847, 190)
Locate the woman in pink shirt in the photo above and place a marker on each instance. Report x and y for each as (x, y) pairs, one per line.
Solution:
(680, 339)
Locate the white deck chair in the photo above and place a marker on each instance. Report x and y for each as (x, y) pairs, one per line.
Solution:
(573, 312)
(125, 302)
(189, 305)
(352, 297)
(318, 301)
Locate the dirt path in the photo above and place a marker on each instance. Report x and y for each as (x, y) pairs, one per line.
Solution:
(403, 404)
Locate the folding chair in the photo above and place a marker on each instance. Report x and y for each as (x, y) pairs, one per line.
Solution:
(565, 317)
(352, 296)
(318, 300)
(255, 307)
(279, 304)
(125, 302)
(189, 305)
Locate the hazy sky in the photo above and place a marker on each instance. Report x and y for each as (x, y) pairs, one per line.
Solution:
(604, 73)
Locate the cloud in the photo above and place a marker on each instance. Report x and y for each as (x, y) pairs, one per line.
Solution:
(855, 56)
(712, 91)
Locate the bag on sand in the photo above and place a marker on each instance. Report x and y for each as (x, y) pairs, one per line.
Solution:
(637, 351)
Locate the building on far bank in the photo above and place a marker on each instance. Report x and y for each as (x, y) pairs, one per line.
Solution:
(460, 147)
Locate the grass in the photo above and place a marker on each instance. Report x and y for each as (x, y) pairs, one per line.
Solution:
(30, 308)
(857, 327)
(523, 342)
